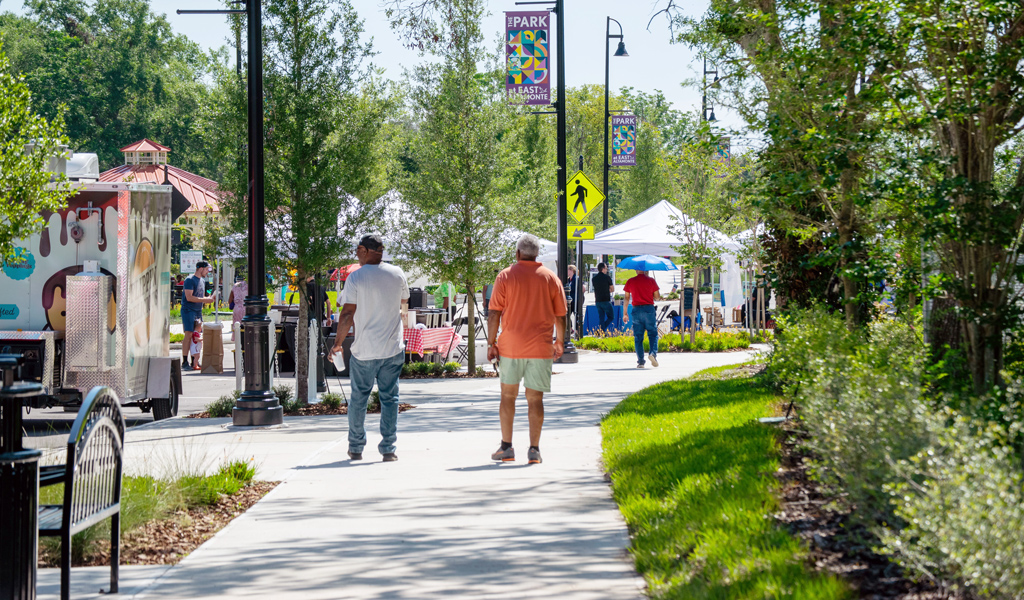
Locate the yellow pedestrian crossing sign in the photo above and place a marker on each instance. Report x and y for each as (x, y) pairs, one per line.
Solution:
(582, 197)
(581, 232)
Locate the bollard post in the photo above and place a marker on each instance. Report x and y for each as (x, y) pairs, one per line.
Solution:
(19, 491)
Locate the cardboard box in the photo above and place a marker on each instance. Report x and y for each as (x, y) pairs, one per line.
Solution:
(213, 348)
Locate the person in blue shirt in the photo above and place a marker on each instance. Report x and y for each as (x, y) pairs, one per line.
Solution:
(193, 297)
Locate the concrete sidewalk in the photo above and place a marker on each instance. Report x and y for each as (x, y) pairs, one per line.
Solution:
(443, 521)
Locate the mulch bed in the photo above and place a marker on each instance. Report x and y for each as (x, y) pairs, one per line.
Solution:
(167, 541)
(311, 411)
(455, 375)
(836, 544)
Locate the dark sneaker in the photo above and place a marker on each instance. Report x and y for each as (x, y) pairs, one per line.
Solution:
(355, 455)
(186, 367)
(504, 455)
(390, 457)
(654, 360)
(533, 457)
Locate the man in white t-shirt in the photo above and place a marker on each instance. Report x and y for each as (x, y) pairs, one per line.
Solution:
(376, 295)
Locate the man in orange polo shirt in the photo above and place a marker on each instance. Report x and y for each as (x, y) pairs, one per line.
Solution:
(527, 303)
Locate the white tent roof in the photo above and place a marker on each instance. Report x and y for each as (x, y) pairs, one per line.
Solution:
(746, 236)
(647, 233)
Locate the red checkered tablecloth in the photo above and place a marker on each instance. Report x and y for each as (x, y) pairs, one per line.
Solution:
(439, 338)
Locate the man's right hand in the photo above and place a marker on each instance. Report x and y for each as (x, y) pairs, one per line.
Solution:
(625, 317)
(559, 349)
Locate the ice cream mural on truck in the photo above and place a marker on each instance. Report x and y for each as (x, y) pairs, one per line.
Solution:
(86, 302)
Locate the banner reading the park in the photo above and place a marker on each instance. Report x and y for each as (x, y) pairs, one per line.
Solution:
(528, 78)
(623, 140)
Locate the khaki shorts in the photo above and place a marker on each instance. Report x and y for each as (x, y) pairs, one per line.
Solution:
(534, 372)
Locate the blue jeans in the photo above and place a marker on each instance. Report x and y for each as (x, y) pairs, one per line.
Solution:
(605, 314)
(644, 319)
(362, 374)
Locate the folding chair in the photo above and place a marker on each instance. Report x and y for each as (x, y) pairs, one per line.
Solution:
(662, 321)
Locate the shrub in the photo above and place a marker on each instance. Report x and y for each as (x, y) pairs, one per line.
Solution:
(373, 403)
(222, 407)
(331, 400)
(407, 369)
(860, 398)
(963, 505)
(452, 367)
(177, 337)
(283, 392)
(421, 368)
(436, 368)
(704, 342)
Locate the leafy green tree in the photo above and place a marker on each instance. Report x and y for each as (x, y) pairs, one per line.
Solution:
(121, 73)
(955, 82)
(461, 207)
(803, 72)
(27, 142)
(705, 197)
(325, 134)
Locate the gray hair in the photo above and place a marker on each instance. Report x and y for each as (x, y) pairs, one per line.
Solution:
(528, 246)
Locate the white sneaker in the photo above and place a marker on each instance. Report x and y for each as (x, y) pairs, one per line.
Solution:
(639, 365)
(654, 359)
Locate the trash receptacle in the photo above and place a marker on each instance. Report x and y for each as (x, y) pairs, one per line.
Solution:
(19, 525)
(19, 491)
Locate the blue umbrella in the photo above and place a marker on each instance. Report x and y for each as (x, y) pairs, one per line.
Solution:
(648, 262)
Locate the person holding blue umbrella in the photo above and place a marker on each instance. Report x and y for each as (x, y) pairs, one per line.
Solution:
(642, 291)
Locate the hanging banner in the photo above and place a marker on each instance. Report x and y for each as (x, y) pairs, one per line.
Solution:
(623, 140)
(528, 78)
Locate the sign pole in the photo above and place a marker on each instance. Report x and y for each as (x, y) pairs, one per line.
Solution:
(569, 354)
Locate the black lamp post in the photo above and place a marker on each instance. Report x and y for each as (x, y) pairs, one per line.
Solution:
(258, 406)
(620, 51)
(704, 94)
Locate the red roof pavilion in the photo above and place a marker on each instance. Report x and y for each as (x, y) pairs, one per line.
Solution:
(146, 162)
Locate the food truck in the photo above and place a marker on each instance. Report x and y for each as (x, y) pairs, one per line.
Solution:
(86, 302)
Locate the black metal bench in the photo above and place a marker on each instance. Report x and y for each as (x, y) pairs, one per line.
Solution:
(106, 405)
(92, 483)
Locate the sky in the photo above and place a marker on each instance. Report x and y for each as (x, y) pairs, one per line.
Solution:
(654, 63)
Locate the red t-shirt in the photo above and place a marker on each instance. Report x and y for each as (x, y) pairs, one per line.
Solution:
(641, 288)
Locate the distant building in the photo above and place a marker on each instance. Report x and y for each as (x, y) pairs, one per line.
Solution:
(145, 161)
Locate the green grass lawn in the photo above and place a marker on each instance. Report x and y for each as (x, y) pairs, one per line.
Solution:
(691, 471)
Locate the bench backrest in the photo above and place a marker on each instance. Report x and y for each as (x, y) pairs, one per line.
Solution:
(95, 460)
(99, 402)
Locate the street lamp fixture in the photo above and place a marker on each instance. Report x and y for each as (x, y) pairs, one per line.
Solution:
(258, 405)
(705, 105)
(620, 51)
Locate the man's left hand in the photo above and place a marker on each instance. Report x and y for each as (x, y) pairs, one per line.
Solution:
(559, 349)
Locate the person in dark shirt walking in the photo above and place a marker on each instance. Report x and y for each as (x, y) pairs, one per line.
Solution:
(603, 290)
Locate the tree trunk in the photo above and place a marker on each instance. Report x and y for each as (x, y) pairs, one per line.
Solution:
(845, 229)
(302, 341)
(471, 328)
(695, 307)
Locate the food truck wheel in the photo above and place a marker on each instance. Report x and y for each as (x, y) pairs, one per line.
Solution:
(165, 408)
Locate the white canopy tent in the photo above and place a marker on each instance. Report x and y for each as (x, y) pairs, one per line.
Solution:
(647, 233)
